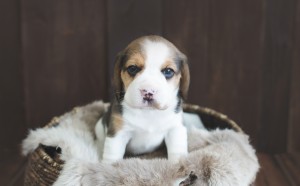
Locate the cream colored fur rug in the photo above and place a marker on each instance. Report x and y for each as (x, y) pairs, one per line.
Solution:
(220, 157)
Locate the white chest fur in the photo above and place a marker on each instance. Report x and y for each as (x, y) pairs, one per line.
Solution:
(148, 128)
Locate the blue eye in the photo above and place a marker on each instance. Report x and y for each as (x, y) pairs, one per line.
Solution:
(133, 70)
(168, 73)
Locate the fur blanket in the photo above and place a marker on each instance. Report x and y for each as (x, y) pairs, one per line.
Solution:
(219, 157)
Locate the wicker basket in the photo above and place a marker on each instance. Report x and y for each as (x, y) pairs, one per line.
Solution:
(44, 164)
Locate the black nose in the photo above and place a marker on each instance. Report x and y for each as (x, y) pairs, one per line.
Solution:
(148, 97)
(147, 94)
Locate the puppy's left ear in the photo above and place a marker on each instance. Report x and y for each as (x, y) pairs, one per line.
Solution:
(185, 77)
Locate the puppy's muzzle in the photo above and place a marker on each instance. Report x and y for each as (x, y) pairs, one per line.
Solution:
(148, 95)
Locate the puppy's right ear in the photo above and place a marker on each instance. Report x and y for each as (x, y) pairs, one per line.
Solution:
(185, 77)
(117, 80)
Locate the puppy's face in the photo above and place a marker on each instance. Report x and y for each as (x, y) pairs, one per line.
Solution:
(151, 73)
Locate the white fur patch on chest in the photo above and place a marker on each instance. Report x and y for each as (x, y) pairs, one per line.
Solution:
(148, 128)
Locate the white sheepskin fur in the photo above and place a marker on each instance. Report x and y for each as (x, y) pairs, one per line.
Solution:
(219, 157)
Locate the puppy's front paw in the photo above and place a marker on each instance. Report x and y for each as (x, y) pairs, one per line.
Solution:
(109, 160)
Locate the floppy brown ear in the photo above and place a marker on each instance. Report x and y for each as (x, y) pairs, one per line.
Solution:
(185, 77)
(117, 81)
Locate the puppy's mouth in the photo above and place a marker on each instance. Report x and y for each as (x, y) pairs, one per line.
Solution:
(152, 104)
(148, 104)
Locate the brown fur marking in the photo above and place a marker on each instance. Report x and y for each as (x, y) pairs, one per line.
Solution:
(185, 80)
(136, 59)
(170, 64)
(115, 125)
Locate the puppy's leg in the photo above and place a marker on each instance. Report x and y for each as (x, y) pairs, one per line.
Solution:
(114, 147)
(176, 142)
(100, 131)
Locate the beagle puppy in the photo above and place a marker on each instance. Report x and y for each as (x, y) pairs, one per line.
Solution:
(151, 79)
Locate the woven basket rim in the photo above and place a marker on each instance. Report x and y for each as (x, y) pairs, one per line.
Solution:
(214, 113)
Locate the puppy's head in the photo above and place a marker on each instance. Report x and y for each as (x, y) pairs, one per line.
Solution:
(151, 73)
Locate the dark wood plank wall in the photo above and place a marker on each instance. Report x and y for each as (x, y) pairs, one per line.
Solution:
(278, 51)
(64, 56)
(244, 58)
(12, 116)
(294, 111)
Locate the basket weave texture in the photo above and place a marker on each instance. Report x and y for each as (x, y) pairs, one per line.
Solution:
(44, 164)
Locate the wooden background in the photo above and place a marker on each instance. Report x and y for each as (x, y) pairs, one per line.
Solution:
(244, 58)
